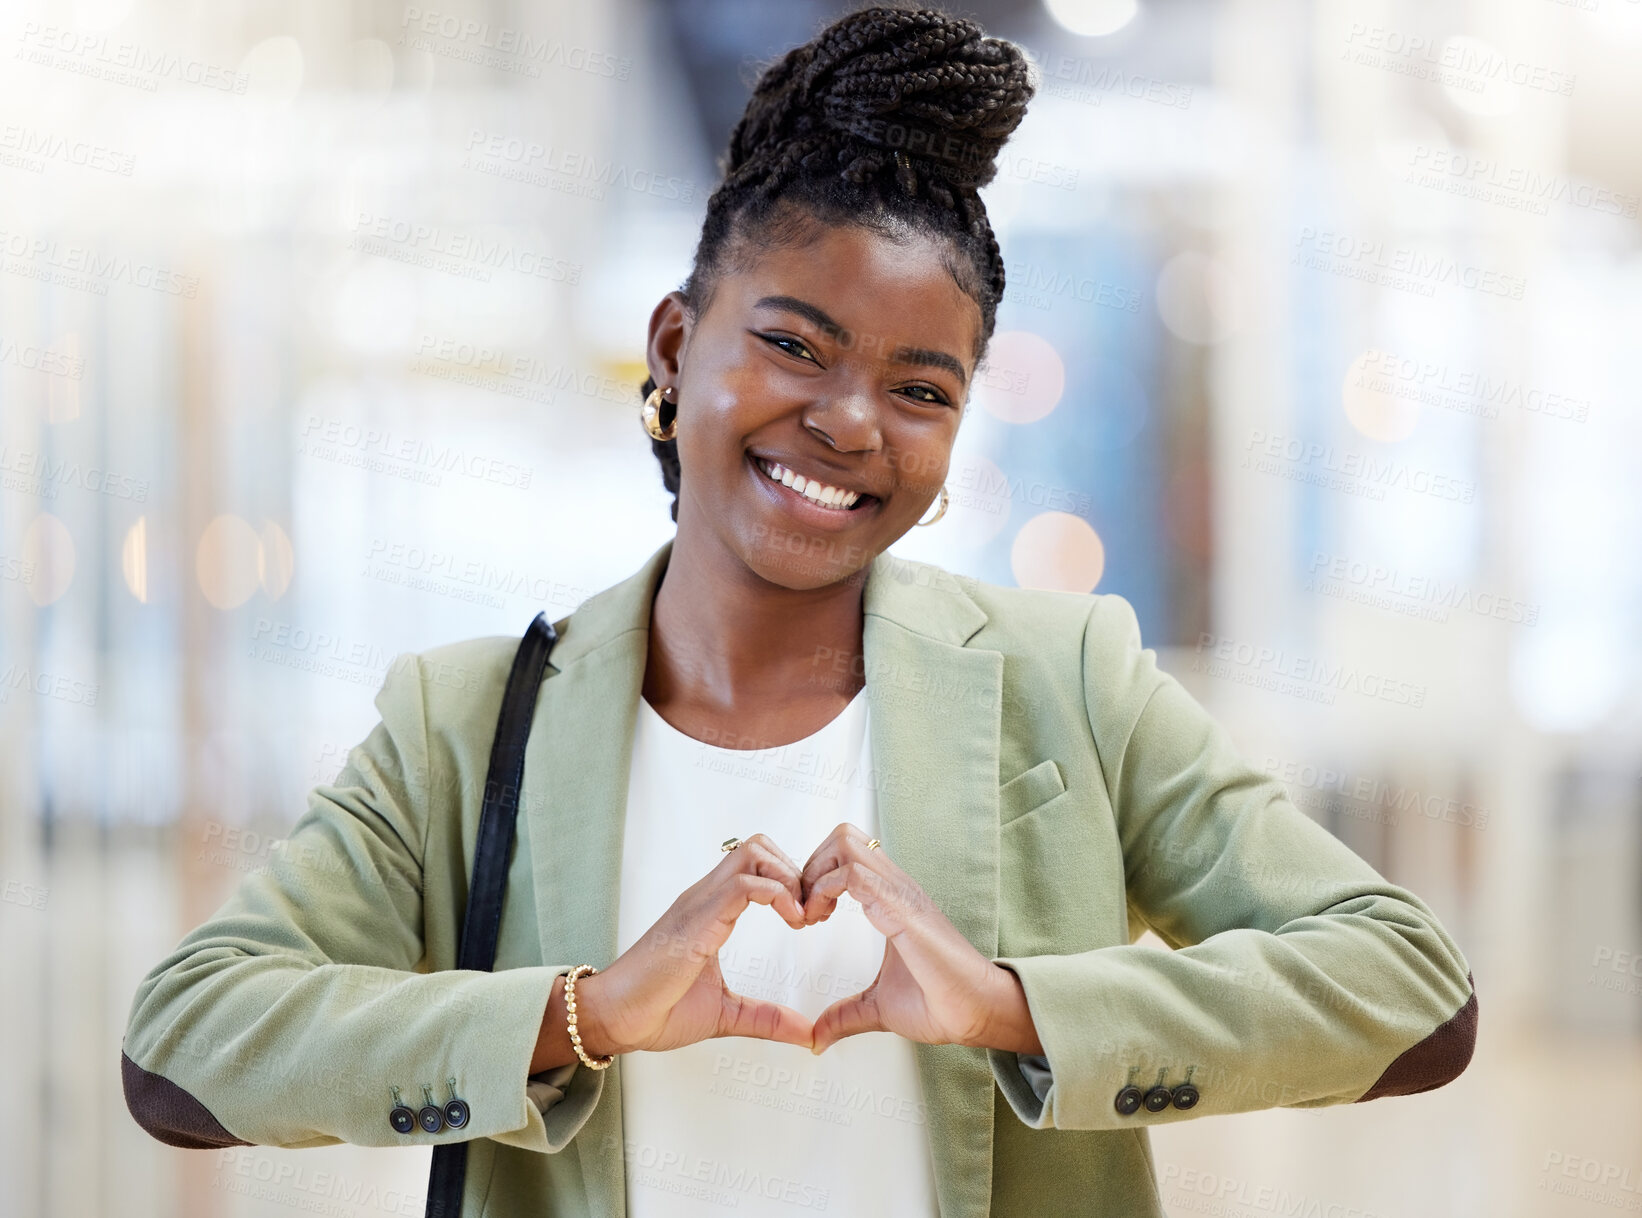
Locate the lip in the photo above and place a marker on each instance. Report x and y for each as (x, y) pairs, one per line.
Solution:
(812, 514)
(842, 483)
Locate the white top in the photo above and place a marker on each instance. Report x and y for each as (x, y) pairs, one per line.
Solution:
(762, 1127)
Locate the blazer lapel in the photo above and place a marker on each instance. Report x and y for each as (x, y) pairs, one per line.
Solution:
(935, 710)
(577, 766)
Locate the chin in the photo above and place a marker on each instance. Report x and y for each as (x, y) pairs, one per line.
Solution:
(800, 563)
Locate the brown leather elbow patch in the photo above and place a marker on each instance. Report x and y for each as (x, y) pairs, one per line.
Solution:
(1436, 1060)
(169, 1113)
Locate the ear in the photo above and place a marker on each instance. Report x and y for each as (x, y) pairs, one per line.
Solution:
(670, 326)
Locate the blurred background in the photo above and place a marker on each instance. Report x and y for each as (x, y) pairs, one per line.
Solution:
(320, 336)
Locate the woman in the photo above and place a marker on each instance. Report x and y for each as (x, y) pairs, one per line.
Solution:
(954, 1019)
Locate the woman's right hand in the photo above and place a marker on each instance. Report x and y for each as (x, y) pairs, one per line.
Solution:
(666, 991)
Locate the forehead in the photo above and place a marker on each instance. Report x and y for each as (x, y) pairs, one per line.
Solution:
(894, 290)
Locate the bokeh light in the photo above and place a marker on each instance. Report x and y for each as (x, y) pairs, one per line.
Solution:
(48, 548)
(1058, 550)
(1092, 18)
(228, 561)
(1022, 378)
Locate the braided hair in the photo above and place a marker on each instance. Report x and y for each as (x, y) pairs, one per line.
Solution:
(890, 119)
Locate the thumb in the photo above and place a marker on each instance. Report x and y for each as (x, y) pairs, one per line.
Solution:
(743, 1016)
(846, 1017)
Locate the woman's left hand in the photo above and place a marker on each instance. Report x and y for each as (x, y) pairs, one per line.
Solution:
(933, 986)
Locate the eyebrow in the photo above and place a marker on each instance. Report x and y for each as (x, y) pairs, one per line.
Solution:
(823, 321)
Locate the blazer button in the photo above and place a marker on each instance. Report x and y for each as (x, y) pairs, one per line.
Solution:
(430, 1116)
(1158, 1097)
(401, 1117)
(456, 1110)
(1185, 1095)
(1128, 1100)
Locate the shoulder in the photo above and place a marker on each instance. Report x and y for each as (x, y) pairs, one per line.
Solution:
(469, 664)
(464, 679)
(439, 706)
(452, 671)
(1037, 617)
(450, 692)
(1061, 648)
(1038, 620)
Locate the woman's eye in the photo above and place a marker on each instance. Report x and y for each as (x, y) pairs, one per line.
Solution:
(797, 348)
(793, 346)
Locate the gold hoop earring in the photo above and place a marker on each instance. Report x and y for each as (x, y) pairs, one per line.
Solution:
(650, 415)
(945, 499)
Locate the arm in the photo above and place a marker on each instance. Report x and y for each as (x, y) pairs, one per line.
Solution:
(1299, 977)
(288, 1016)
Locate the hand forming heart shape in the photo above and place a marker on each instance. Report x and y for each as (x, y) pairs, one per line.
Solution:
(666, 990)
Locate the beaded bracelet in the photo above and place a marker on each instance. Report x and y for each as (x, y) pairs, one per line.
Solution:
(570, 1017)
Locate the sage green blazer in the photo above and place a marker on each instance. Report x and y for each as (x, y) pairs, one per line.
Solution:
(1047, 785)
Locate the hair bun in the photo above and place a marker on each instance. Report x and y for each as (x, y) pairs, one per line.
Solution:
(917, 82)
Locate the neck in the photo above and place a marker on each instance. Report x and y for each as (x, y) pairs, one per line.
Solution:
(722, 637)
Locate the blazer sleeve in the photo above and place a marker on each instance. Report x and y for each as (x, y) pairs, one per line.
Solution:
(1299, 976)
(288, 1017)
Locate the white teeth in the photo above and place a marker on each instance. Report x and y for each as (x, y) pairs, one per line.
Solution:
(820, 492)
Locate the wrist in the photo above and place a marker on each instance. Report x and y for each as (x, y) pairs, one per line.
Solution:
(589, 1027)
(553, 1048)
(553, 1044)
(1009, 1027)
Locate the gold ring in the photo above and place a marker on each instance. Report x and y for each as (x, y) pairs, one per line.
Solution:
(873, 844)
(730, 843)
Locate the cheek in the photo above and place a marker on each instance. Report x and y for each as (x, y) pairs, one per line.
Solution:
(756, 391)
(712, 434)
(729, 409)
(920, 466)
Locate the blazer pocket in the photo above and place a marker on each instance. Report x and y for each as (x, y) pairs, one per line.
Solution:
(1028, 791)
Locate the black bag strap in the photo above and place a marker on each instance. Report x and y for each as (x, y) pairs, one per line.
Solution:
(491, 854)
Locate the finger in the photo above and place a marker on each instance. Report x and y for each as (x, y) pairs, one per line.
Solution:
(775, 862)
(857, 877)
(763, 857)
(821, 898)
(846, 841)
(745, 888)
(846, 1017)
(743, 1016)
(890, 902)
(828, 855)
(769, 843)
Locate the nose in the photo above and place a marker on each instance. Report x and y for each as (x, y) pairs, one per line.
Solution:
(847, 419)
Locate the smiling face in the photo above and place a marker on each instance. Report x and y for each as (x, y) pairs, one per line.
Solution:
(841, 365)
